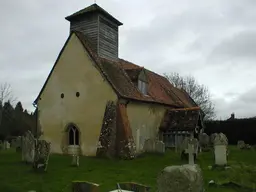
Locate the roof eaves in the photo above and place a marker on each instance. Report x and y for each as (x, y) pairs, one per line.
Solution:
(92, 8)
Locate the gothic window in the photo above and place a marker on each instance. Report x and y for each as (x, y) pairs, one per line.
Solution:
(73, 135)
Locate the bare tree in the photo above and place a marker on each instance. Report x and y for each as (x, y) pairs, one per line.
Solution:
(6, 95)
(199, 93)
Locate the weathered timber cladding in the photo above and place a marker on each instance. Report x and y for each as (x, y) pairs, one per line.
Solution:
(88, 25)
(103, 33)
(108, 39)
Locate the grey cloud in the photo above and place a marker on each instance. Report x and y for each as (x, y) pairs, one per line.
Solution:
(242, 45)
(242, 105)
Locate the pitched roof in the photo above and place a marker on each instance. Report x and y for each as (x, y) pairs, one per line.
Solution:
(182, 120)
(121, 73)
(118, 74)
(93, 8)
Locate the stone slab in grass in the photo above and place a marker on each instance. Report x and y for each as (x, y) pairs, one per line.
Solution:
(84, 186)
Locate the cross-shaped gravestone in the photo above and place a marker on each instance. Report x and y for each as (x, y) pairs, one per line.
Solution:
(190, 152)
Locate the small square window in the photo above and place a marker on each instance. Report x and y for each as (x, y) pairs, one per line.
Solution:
(142, 87)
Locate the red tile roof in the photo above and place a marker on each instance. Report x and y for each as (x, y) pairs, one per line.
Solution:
(121, 75)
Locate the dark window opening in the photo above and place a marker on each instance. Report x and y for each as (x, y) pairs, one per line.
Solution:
(77, 94)
(62, 95)
(73, 135)
(142, 87)
(76, 138)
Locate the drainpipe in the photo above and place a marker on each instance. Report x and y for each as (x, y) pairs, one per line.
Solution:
(34, 104)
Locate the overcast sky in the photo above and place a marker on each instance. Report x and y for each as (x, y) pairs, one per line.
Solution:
(213, 40)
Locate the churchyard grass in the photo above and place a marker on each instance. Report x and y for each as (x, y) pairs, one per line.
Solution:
(16, 176)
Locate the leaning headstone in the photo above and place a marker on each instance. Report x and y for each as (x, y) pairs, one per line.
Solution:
(42, 154)
(160, 147)
(75, 160)
(149, 145)
(220, 149)
(28, 147)
(84, 186)
(182, 178)
(240, 144)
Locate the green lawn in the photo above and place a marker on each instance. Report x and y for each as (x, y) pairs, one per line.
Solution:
(16, 176)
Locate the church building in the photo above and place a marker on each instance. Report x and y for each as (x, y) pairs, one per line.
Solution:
(94, 103)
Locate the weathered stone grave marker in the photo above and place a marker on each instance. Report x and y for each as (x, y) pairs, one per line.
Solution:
(28, 147)
(193, 142)
(42, 154)
(182, 178)
(191, 152)
(75, 160)
(6, 145)
(212, 137)
(149, 145)
(204, 141)
(240, 144)
(160, 147)
(220, 149)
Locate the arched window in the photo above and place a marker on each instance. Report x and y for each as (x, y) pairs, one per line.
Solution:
(73, 135)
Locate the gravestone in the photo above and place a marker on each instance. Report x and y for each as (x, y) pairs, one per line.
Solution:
(184, 178)
(75, 160)
(185, 145)
(240, 144)
(6, 145)
(131, 186)
(149, 145)
(160, 147)
(204, 141)
(28, 147)
(84, 186)
(190, 152)
(42, 153)
(220, 149)
(212, 137)
(13, 143)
